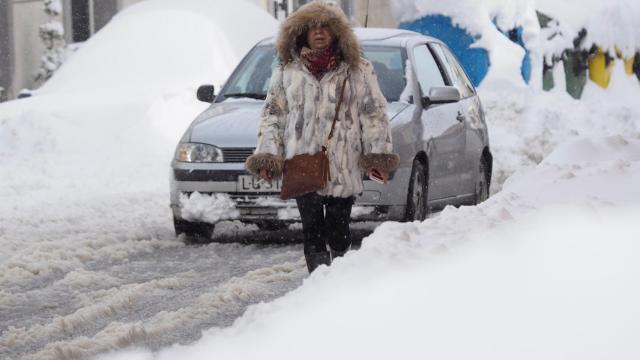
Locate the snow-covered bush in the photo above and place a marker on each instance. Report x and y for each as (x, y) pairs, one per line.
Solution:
(52, 35)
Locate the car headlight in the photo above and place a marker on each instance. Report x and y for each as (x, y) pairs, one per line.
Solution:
(194, 152)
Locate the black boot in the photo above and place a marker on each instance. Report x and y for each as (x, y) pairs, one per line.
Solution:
(316, 259)
(336, 253)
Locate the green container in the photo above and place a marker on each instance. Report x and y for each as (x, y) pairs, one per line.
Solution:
(575, 70)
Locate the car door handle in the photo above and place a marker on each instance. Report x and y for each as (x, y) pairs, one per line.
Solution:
(460, 117)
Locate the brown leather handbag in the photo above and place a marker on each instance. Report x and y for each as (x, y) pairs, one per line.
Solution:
(307, 173)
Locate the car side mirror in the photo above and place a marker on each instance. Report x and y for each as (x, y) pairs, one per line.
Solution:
(441, 95)
(206, 93)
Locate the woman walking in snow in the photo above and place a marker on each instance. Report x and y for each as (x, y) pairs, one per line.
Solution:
(319, 52)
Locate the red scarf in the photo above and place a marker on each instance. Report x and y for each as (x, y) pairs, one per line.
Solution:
(320, 61)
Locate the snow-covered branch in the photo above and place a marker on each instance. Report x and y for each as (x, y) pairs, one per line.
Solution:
(52, 36)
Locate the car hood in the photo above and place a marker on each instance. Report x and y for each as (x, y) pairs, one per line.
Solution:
(234, 123)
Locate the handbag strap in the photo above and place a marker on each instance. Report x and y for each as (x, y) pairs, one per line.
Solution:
(335, 118)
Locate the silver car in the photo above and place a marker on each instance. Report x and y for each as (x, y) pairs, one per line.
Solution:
(437, 122)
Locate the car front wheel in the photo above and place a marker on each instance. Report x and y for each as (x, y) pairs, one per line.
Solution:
(197, 232)
(482, 183)
(417, 207)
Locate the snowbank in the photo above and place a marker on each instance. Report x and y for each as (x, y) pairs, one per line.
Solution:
(544, 269)
(525, 126)
(162, 45)
(109, 119)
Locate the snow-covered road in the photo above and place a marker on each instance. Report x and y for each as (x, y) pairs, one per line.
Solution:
(88, 278)
(79, 284)
(88, 257)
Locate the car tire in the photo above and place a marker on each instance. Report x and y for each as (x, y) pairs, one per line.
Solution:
(195, 232)
(272, 225)
(482, 183)
(417, 207)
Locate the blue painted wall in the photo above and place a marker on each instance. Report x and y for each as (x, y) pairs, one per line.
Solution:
(474, 60)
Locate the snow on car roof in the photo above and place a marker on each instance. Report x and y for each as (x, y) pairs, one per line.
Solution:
(371, 34)
(367, 34)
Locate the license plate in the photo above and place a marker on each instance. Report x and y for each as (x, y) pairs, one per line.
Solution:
(248, 183)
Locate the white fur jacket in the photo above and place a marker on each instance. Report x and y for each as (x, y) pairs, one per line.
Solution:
(297, 118)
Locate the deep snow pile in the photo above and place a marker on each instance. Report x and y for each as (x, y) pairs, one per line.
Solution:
(526, 125)
(545, 269)
(95, 142)
(164, 45)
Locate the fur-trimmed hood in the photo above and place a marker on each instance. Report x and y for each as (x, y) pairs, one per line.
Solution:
(293, 31)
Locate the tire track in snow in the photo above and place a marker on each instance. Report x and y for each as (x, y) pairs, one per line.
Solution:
(119, 300)
(40, 243)
(163, 328)
(84, 279)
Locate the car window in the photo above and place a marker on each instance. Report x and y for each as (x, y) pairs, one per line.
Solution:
(253, 75)
(439, 54)
(457, 75)
(427, 70)
(389, 64)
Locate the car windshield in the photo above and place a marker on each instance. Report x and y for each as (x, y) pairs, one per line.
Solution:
(251, 80)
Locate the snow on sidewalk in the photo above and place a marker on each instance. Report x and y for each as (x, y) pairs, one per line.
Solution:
(526, 126)
(544, 269)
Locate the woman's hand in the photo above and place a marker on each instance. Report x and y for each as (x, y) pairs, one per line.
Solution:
(266, 174)
(380, 174)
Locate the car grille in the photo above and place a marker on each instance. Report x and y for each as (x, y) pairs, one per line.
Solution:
(236, 155)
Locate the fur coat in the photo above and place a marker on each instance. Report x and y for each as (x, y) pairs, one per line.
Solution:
(299, 109)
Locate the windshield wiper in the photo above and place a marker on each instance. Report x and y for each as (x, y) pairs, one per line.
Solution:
(247, 95)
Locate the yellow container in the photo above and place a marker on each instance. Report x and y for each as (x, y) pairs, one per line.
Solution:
(628, 66)
(599, 72)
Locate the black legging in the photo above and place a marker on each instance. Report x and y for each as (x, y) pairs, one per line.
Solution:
(320, 229)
